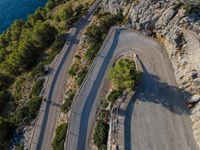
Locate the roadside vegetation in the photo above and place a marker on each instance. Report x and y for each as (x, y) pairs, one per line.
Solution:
(94, 36)
(83, 57)
(68, 101)
(123, 78)
(26, 48)
(101, 134)
(123, 75)
(113, 96)
(59, 139)
(96, 33)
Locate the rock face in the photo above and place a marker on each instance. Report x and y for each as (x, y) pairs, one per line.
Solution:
(180, 33)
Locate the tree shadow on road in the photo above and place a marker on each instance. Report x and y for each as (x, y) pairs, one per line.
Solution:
(152, 90)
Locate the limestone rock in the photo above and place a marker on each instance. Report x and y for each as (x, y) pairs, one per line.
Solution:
(195, 113)
(194, 98)
(165, 18)
(196, 83)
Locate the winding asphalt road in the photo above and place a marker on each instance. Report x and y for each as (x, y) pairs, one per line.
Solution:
(155, 118)
(45, 126)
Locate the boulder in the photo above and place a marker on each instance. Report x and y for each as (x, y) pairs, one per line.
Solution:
(194, 98)
(194, 74)
(196, 83)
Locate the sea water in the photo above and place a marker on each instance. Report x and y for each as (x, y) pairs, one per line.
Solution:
(10, 10)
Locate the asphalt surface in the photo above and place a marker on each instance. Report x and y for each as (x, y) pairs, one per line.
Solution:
(155, 118)
(45, 126)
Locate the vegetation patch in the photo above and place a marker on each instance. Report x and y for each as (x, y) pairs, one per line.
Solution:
(81, 76)
(68, 101)
(97, 32)
(37, 87)
(100, 136)
(123, 74)
(113, 96)
(59, 139)
(27, 112)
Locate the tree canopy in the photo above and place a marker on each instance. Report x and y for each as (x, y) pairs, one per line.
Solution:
(123, 75)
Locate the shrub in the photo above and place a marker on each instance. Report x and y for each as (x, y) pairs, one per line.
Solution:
(123, 75)
(6, 128)
(114, 95)
(81, 76)
(103, 115)
(59, 139)
(26, 113)
(4, 98)
(58, 44)
(104, 103)
(101, 134)
(39, 71)
(68, 101)
(73, 69)
(66, 13)
(37, 87)
(92, 51)
(96, 33)
(5, 81)
(78, 9)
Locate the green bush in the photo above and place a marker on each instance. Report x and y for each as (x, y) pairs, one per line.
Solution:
(26, 113)
(58, 44)
(6, 128)
(92, 51)
(52, 4)
(103, 115)
(96, 33)
(68, 101)
(59, 139)
(81, 76)
(5, 81)
(78, 9)
(73, 69)
(37, 87)
(39, 71)
(29, 49)
(101, 134)
(114, 95)
(66, 13)
(4, 98)
(104, 104)
(123, 75)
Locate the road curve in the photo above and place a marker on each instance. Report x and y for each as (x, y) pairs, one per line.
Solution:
(155, 118)
(45, 125)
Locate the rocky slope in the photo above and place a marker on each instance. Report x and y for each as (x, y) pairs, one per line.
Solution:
(179, 30)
